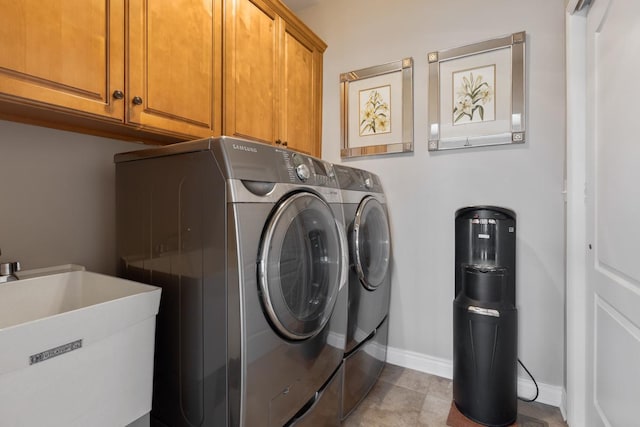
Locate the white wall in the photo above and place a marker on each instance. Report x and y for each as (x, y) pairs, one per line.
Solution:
(425, 189)
(57, 192)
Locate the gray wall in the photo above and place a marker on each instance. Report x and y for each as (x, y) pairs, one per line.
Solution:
(425, 189)
(58, 197)
(58, 187)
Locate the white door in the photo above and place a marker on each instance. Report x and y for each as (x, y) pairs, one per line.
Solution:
(613, 213)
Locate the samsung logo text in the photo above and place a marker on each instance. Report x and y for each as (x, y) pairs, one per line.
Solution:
(244, 148)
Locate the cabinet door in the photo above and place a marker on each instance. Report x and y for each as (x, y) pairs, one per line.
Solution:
(251, 73)
(63, 54)
(174, 66)
(301, 90)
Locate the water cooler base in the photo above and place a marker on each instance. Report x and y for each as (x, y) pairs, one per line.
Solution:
(458, 419)
(485, 366)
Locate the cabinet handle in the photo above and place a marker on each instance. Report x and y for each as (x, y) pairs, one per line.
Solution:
(117, 94)
(284, 143)
(278, 142)
(137, 100)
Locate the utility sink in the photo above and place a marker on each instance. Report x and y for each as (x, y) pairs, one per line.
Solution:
(76, 349)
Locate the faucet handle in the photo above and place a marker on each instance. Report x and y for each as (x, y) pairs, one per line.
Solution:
(9, 268)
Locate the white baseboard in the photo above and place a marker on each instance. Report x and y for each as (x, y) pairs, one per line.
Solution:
(420, 362)
(549, 394)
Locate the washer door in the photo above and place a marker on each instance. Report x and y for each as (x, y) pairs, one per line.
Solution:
(300, 265)
(371, 243)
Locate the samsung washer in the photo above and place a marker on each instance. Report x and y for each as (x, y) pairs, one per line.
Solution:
(367, 228)
(247, 242)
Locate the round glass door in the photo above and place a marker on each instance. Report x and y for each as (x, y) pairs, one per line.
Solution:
(299, 266)
(371, 243)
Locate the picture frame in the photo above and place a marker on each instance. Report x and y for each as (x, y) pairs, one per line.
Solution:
(477, 94)
(376, 110)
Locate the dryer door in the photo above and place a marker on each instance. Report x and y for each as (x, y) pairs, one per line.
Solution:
(371, 243)
(299, 265)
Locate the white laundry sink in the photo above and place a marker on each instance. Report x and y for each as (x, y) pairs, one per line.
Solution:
(76, 349)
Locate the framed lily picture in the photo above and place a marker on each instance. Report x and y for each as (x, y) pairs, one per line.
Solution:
(477, 94)
(376, 110)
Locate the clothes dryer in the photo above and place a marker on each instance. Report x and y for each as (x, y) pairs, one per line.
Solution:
(367, 228)
(247, 242)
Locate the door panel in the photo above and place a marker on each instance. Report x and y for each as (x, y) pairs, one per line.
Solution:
(618, 151)
(613, 229)
(174, 66)
(251, 31)
(617, 344)
(64, 53)
(298, 92)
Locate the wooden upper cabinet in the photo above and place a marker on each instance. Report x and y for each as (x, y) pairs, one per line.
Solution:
(63, 54)
(251, 70)
(174, 66)
(301, 93)
(273, 76)
(74, 57)
(157, 70)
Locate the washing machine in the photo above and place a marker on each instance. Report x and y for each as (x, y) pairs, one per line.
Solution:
(247, 242)
(367, 228)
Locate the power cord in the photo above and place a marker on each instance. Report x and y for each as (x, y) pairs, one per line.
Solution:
(532, 379)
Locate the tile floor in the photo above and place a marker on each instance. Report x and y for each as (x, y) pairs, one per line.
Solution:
(407, 398)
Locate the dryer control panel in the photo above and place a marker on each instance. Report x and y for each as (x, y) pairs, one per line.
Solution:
(254, 161)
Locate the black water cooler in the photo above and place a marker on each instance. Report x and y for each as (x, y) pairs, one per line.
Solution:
(484, 315)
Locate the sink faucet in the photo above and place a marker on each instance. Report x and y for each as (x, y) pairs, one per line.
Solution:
(8, 270)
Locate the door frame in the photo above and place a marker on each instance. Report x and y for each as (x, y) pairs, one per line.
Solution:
(577, 286)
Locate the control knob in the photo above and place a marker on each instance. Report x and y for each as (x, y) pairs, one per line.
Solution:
(368, 183)
(303, 172)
